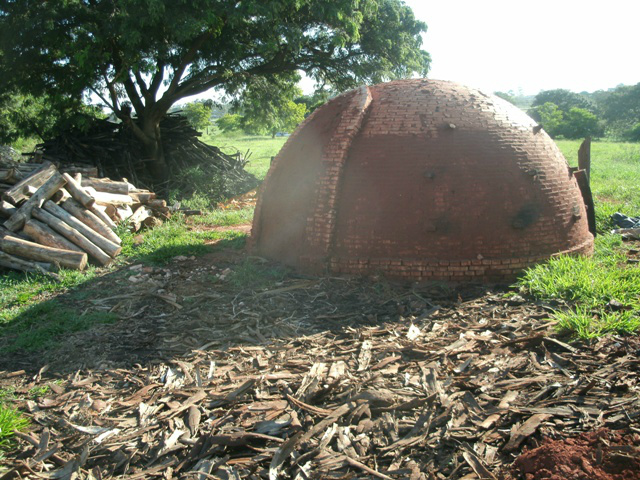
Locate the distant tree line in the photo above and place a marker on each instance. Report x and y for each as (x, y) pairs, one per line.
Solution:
(614, 113)
(265, 110)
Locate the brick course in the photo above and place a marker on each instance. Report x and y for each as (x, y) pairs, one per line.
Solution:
(420, 179)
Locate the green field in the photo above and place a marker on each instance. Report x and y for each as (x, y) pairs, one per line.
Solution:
(260, 148)
(615, 176)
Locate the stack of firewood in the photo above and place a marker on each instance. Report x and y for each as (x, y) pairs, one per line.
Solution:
(55, 220)
(116, 152)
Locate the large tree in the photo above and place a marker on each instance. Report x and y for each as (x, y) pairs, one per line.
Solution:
(267, 106)
(146, 55)
(564, 99)
(621, 109)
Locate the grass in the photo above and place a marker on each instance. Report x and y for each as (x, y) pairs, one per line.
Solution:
(20, 290)
(615, 174)
(33, 316)
(159, 245)
(10, 420)
(254, 275)
(224, 218)
(262, 148)
(590, 284)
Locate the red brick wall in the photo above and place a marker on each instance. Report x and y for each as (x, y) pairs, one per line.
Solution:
(420, 179)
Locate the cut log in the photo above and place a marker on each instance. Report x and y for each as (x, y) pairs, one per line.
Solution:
(139, 216)
(106, 185)
(157, 203)
(4, 232)
(88, 170)
(41, 253)
(107, 246)
(143, 197)
(188, 212)
(29, 190)
(90, 220)
(104, 198)
(164, 212)
(123, 212)
(16, 263)
(73, 235)
(60, 196)
(11, 175)
(38, 178)
(78, 192)
(100, 212)
(44, 235)
(6, 209)
(45, 192)
(152, 222)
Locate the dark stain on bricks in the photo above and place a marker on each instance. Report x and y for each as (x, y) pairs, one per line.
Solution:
(527, 215)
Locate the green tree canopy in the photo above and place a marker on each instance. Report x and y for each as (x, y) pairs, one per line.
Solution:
(198, 113)
(267, 106)
(508, 96)
(315, 100)
(550, 117)
(25, 115)
(580, 123)
(576, 123)
(229, 122)
(147, 56)
(564, 99)
(621, 109)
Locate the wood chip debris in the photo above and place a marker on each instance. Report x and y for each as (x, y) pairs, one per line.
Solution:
(426, 388)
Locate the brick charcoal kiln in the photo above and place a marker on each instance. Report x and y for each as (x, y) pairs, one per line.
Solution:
(422, 180)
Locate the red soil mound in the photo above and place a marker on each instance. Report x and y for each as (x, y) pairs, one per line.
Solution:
(599, 455)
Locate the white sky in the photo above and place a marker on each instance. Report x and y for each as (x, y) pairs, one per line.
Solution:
(501, 45)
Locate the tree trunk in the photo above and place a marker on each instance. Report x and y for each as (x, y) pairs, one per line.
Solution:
(157, 166)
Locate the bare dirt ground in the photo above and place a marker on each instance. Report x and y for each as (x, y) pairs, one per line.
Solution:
(209, 374)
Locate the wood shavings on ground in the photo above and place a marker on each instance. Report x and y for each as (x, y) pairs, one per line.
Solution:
(328, 378)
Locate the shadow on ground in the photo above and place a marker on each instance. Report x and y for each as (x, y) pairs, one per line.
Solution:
(143, 313)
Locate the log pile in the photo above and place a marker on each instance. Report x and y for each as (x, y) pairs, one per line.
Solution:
(116, 152)
(53, 219)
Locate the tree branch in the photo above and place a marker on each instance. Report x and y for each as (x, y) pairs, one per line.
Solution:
(157, 81)
(114, 96)
(133, 95)
(187, 59)
(142, 85)
(201, 83)
(103, 98)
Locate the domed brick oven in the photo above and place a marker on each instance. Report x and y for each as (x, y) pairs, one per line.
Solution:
(423, 180)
